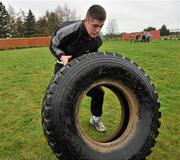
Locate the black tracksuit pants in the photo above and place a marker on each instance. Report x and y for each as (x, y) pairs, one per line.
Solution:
(96, 93)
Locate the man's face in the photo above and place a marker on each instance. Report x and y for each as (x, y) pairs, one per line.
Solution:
(93, 26)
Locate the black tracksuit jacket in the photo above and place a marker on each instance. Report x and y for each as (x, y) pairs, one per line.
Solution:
(73, 40)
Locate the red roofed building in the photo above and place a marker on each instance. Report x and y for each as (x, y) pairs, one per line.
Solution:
(155, 35)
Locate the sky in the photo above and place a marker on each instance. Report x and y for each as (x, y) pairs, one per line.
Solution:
(129, 15)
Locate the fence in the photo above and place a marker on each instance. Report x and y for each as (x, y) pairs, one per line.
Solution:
(24, 42)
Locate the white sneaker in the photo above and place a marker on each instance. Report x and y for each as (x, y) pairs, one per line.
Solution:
(96, 121)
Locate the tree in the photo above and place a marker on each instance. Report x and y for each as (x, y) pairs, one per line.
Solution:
(54, 18)
(164, 31)
(150, 29)
(20, 28)
(68, 14)
(20, 24)
(112, 27)
(60, 14)
(30, 23)
(65, 13)
(4, 22)
(42, 27)
(53, 22)
(12, 21)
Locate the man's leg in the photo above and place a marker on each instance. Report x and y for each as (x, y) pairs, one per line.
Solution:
(97, 95)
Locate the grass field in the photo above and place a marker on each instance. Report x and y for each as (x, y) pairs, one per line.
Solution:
(25, 74)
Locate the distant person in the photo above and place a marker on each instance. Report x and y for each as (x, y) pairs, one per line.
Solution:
(143, 37)
(137, 37)
(77, 39)
(131, 37)
(149, 36)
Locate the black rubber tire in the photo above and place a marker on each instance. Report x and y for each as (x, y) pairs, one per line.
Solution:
(137, 134)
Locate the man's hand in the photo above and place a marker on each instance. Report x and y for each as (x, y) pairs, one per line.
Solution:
(65, 59)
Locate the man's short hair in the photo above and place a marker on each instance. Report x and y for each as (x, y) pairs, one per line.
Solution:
(96, 12)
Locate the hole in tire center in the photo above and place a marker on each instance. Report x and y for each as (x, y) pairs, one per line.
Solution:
(114, 116)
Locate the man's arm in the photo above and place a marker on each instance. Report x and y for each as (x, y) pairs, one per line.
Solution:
(55, 49)
(62, 38)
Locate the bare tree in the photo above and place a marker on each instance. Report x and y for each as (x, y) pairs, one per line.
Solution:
(12, 14)
(21, 14)
(69, 15)
(14, 19)
(20, 26)
(65, 13)
(112, 27)
(60, 13)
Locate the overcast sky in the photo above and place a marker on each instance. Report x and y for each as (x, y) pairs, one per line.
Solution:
(130, 15)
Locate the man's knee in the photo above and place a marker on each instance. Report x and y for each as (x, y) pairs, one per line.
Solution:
(96, 92)
(101, 91)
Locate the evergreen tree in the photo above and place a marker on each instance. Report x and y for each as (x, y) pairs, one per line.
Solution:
(42, 27)
(30, 24)
(53, 22)
(164, 31)
(20, 28)
(150, 29)
(4, 22)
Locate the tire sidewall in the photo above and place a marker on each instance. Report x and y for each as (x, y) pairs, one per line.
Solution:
(80, 78)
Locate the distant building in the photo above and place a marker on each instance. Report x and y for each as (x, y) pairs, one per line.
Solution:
(155, 35)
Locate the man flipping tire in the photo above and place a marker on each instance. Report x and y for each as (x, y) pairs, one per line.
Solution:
(76, 39)
(79, 73)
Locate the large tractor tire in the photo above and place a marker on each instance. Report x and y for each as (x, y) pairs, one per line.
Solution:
(139, 120)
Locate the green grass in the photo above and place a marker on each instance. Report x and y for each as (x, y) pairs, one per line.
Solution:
(111, 116)
(25, 74)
